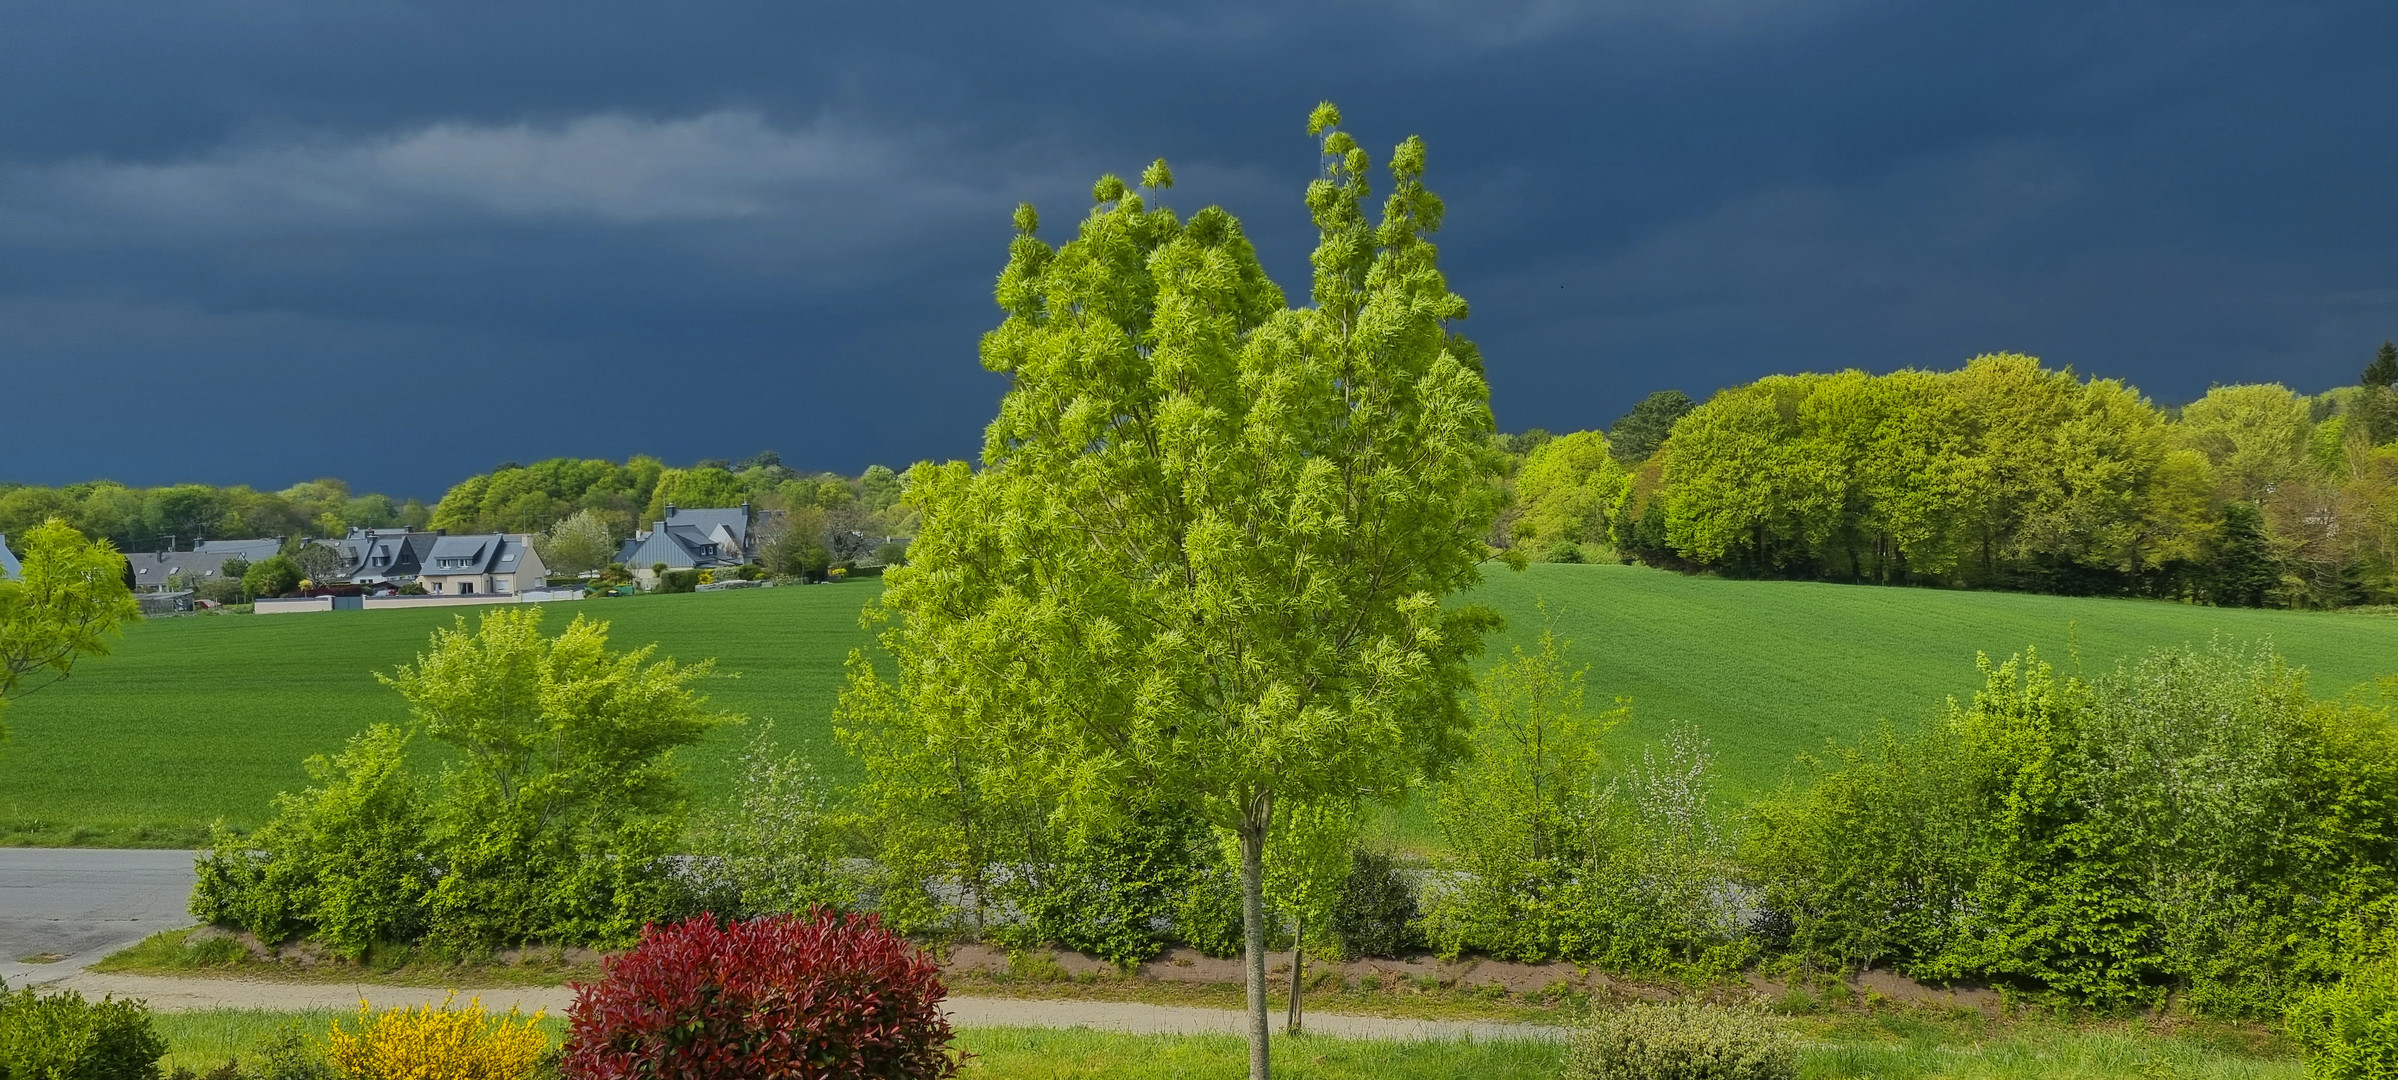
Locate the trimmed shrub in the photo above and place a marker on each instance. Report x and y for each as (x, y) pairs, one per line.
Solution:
(1682, 1042)
(2349, 1031)
(451, 1043)
(1113, 888)
(1376, 911)
(804, 997)
(679, 581)
(63, 1037)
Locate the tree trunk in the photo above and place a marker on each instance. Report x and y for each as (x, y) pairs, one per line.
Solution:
(1253, 932)
(1298, 964)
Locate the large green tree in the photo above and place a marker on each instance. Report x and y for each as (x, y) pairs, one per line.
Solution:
(1206, 553)
(70, 601)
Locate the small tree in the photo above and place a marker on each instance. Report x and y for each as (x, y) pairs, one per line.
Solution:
(566, 799)
(1207, 553)
(271, 576)
(581, 543)
(70, 601)
(320, 563)
(1306, 869)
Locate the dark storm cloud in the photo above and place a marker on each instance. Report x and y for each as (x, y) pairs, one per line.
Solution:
(400, 242)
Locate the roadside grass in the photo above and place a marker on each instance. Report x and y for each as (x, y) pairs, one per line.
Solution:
(195, 719)
(1832, 1051)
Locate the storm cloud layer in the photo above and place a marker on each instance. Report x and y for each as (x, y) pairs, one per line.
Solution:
(398, 243)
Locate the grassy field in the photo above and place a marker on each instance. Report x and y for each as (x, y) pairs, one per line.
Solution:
(198, 718)
(1885, 1047)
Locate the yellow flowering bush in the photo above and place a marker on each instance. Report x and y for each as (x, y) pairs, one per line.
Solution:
(425, 1043)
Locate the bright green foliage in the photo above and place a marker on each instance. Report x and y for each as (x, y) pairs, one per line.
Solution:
(63, 1037)
(2192, 823)
(343, 861)
(2350, 1030)
(1682, 1042)
(2256, 436)
(71, 600)
(272, 576)
(693, 489)
(780, 842)
(1113, 889)
(554, 825)
(1557, 859)
(1206, 552)
(1564, 492)
(583, 542)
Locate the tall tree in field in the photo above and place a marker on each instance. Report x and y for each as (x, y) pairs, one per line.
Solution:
(72, 598)
(1206, 553)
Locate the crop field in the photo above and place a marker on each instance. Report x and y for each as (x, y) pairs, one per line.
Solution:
(193, 719)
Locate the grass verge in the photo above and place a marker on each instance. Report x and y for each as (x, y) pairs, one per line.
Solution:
(1887, 1047)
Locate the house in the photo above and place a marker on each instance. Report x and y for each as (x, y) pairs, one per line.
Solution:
(380, 556)
(10, 569)
(489, 564)
(165, 571)
(708, 539)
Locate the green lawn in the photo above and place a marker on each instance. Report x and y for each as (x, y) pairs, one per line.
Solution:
(197, 718)
(1892, 1048)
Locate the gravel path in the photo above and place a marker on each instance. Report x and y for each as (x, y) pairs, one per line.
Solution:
(174, 994)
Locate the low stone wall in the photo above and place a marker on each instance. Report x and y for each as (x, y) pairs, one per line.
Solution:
(291, 605)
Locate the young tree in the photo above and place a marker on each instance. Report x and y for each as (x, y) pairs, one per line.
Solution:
(320, 564)
(71, 599)
(1207, 550)
(271, 576)
(579, 543)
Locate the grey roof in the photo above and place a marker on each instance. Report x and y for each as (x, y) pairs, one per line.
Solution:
(490, 553)
(371, 554)
(735, 519)
(151, 569)
(680, 547)
(10, 569)
(248, 550)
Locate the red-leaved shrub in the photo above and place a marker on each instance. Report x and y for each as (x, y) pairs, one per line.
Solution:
(784, 997)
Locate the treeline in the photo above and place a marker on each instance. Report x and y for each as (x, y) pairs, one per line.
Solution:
(152, 519)
(2003, 474)
(862, 510)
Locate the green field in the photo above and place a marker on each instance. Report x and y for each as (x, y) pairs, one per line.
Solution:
(198, 718)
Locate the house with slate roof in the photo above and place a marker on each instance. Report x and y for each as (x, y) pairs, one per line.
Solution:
(207, 558)
(10, 569)
(492, 564)
(709, 539)
(382, 556)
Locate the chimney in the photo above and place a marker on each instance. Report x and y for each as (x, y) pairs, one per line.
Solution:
(670, 511)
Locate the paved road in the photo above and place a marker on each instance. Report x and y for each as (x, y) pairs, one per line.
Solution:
(81, 904)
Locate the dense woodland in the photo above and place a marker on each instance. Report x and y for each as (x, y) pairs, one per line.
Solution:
(2002, 474)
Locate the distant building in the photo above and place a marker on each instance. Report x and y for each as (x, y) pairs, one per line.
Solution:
(165, 571)
(709, 539)
(489, 564)
(10, 569)
(382, 556)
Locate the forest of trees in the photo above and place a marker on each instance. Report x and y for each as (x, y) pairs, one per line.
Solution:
(2002, 474)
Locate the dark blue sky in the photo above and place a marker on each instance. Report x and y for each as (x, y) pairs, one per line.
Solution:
(398, 243)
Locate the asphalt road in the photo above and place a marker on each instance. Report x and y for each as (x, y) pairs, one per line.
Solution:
(64, 908)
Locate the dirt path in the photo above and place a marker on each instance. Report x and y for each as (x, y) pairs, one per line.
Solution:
(174, 994)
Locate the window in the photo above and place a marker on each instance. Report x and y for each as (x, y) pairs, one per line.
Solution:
(466, 588)
(436, 586)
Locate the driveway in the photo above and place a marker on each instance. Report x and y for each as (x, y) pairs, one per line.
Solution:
(61, 909)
